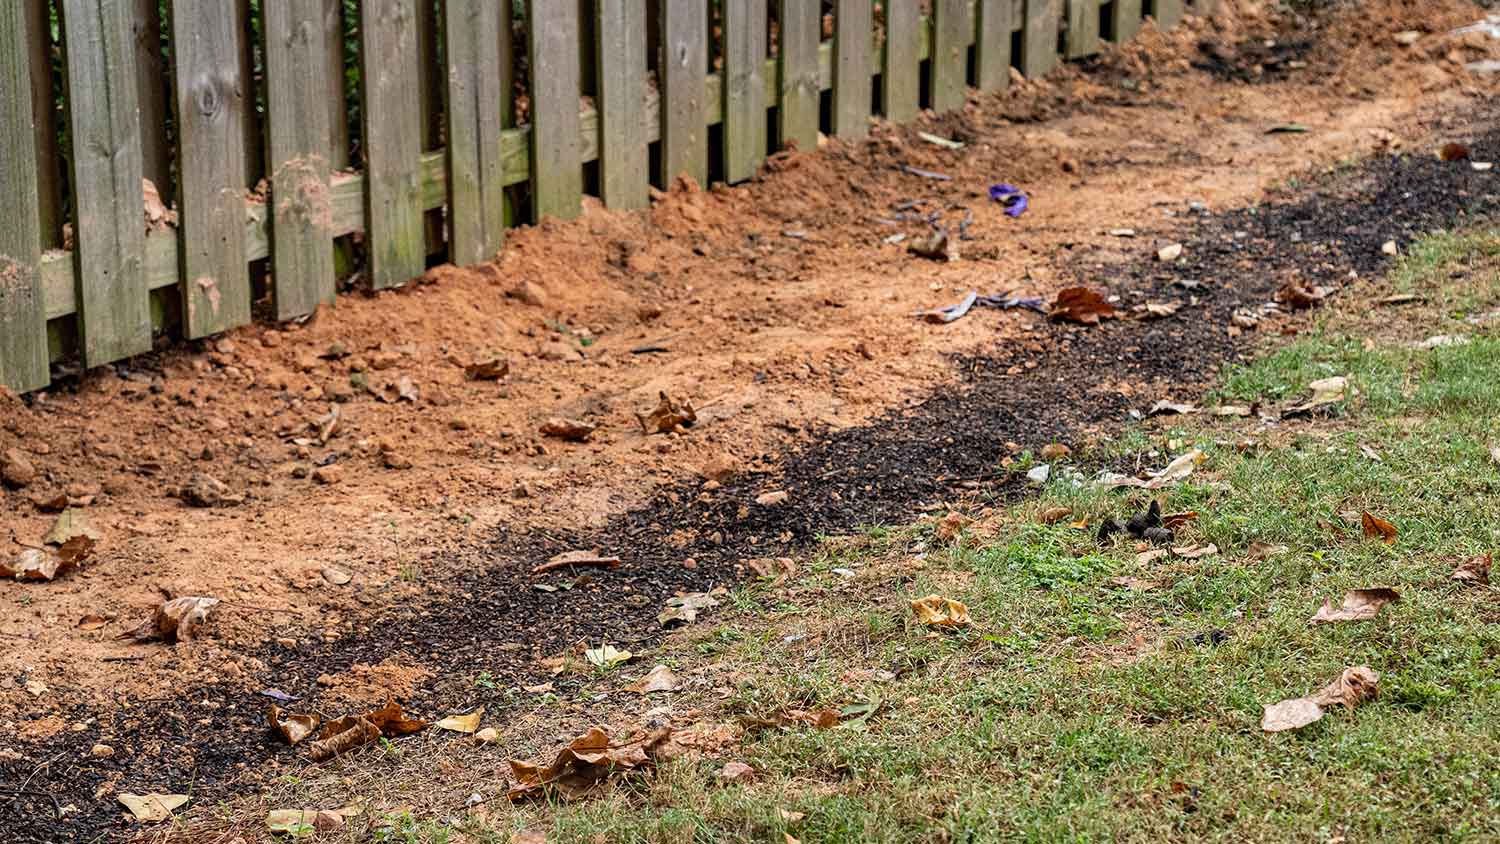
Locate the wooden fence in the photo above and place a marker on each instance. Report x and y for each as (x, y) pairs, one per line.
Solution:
(298, 142)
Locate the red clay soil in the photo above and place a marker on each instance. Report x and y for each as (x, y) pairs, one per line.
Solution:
(776, 308)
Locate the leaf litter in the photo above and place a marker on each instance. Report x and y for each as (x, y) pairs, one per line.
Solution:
(937, 611)
(587, 761)
(1354, 686)
(1359, 605)
(174, 621)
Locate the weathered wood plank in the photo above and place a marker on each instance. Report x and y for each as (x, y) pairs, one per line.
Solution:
(209, 105)
(49, 185)
(300, 141)
(476, 187)
(1205, 8)
(332, 81)
(992, 43)
(1125, 20)
(797, 73)
(744, 88)
(900, 75)
(684, 115)
(1168, 13)
(23, 319)
(620, 56)
(392, 140)
(952, 32)
(1083, 28)
(556, 160)
(115, 319)
(853, 88)
(1039, 38)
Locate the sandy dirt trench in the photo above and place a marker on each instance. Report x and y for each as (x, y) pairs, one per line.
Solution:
(778, 308)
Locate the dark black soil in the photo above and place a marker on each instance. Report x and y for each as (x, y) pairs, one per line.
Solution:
(835, 482)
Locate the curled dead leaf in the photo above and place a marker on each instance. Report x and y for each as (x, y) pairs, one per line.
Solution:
(490, 370)
(462, 723)
(341, 736)
(684, 608)
(950, 526)
(591, 559)
(47, 563)
(1359, 605)
(292, 728)
(1377, 528)
(1196, 552)
(150, 808)
(1297, 296)
(176, 620)
(1081, 305)
(1326, 392)
(668, 416)
(1354, 686)
(587, 761)
(658, 679)
(937, 611)
(607, 656)
(1259, 551)
(1475, 570)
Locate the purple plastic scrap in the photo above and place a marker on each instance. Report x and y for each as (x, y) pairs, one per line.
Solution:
(1014, 200)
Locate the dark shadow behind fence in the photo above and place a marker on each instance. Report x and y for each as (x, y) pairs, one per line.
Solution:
(176, 169)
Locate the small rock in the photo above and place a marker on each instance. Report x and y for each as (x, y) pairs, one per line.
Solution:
(36, 688)
(1039, 474)
(488, 735)
(395, 460)
(101, 751)
(16, 470)
(1389, 248)
(771, 499)
(1171, 252)
(737, 772)
(335, 576)
(530, 293)
(271, 339)
(204, 490)
(571, 430)
(1407, 38)
(1055, 451)
(328, 474)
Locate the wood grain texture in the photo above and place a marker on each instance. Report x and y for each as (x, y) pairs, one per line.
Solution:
(1039, 37)
(392, 140)
(684, 109)
(1168, 13)
(476, 175)
(110, 279)
(23, 313)
(620, 56)
(952, 32)
(556, 160)
(901, 69)
(300, 141)
(208, 102)
(853, 87)
(996, 22)
(1125, 20)
(744, 88)
(797, 73)
(1083, 28)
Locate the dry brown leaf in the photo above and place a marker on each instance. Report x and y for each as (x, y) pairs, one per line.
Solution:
(1353, 687)
(1475, 570)
(176, 620)
(937, 611)
(1053, 515)
(1377, 528)
(1297, 296)
(293, 728)
(587, 761)
(92, 622)
(1081, 305)
(1151, 556)
(1293, 714)
(1453, 151)
(1259, 551)
(1173, 521)
(150, 808)
(951, 525)
(462, 723)
(48, 563)
(668, 416)
(684, 608)
(1326, 392)
(391, 720)
(658, 679)
(1359, 605)
(1196, 552)
(571, 430)
(341, 736)
(490, 370)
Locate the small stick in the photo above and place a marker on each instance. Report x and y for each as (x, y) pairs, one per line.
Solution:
(592, 562)
(926, 174)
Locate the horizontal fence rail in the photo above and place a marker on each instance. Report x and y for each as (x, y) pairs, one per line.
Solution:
(177, 169)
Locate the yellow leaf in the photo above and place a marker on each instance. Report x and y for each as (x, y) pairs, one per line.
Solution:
(149, 808)
(462, 723)
(937, 611)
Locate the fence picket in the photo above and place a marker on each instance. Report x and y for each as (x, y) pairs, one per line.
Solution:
(1126, 20)
(392, 111)
(300, 141)
(853, 89)
(476, 178)
(992, 43)
(38, 41)
(798, 110)
(110, 280)
(620, 56)
(952, 30)
(1083, 28)
(1039, 38)
(900, 76)
(23, 318)
(684, 111)
(209, 108)
(152, 94)
(744, 88)
(1168, 13)
(556, 157)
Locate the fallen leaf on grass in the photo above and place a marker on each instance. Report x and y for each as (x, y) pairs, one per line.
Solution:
(149, 808)
(587, 761)
(301, 822)
(293, 728)
(48, 563)
(1081, 305)
(658, 679)
(951, 525)
(571, 430)
(1174, 472)
(937, 611)
(684, 608)
(1151, 556)
(856, 713)
(668, 416)
(176, 620)
(1354, 686)
(1377, 528)
(391, 720)
(1166, 407)
(1359, 605)
(1475, 570)
(490, 370)
(1326, 392)
(467, 724)
(341, 736)
(1259, 551)
(1196, 552)
(1174, 521)
(1053, 515)
(607, 656)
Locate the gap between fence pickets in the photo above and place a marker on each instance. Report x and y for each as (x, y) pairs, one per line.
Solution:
(348, 188)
